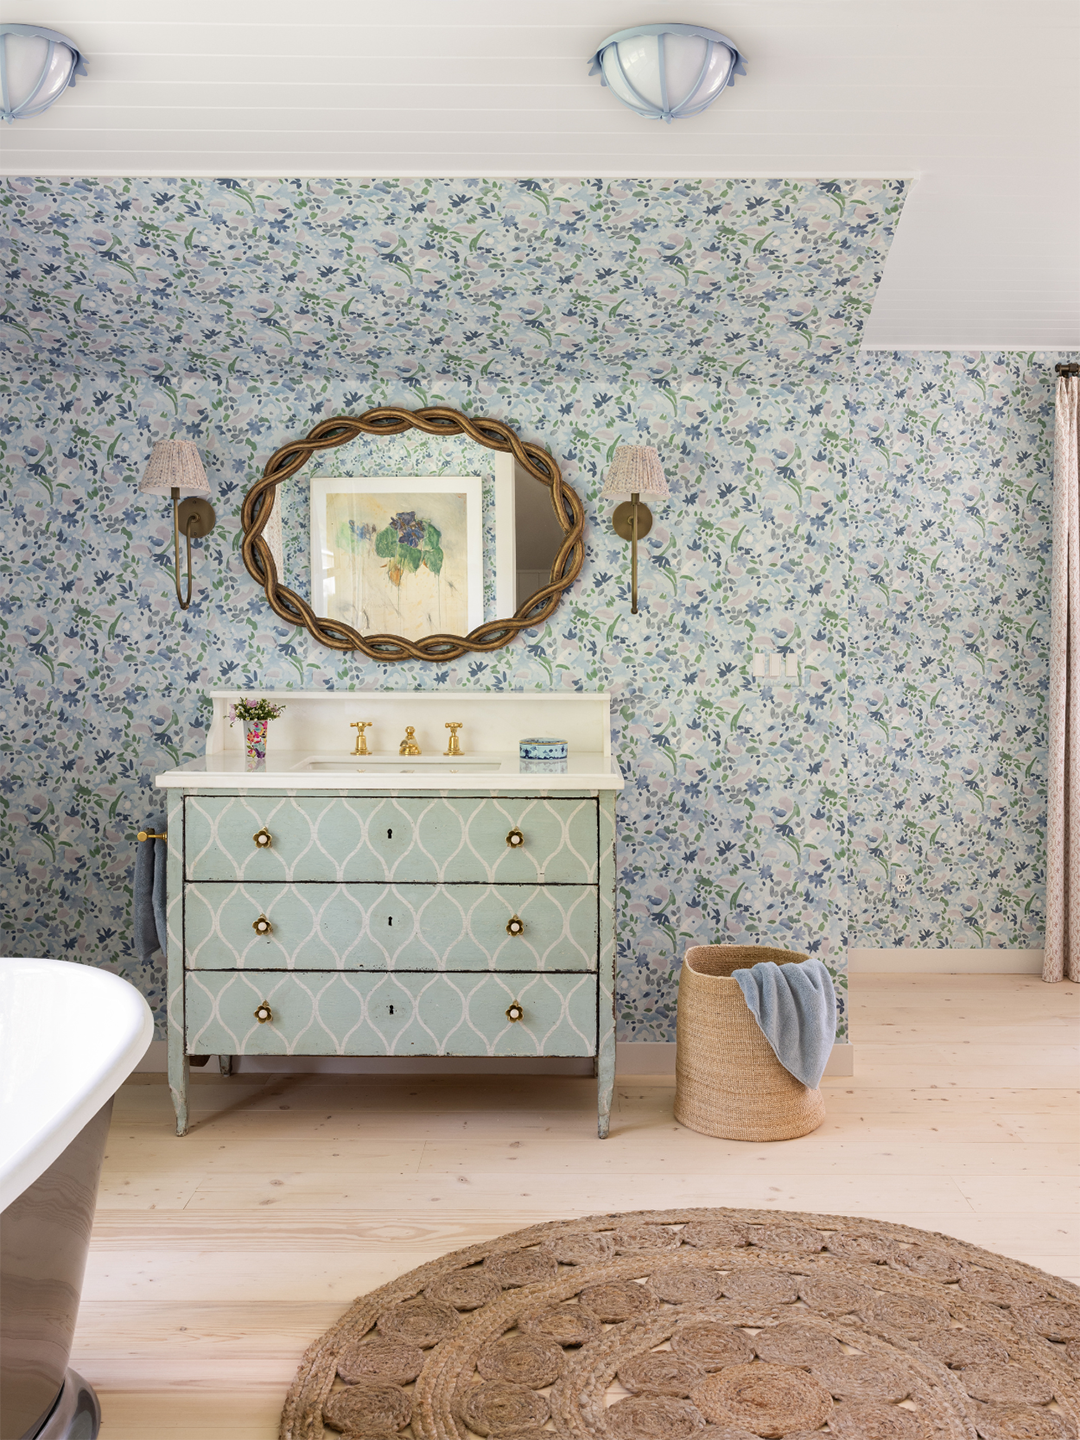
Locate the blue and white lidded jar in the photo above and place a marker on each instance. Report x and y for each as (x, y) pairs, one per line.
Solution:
(542, 755)
(543, 748)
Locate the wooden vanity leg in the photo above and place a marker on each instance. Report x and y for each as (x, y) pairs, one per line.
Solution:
(178, 1082)
(605, 1084)
(605, 1032)
(174, 965)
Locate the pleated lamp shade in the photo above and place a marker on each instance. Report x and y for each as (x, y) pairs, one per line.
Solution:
(175, 465)
(635, 470)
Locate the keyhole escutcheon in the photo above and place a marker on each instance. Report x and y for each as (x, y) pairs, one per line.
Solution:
(389, 834)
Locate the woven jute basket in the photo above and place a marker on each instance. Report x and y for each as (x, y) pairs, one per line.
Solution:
(728, 1082)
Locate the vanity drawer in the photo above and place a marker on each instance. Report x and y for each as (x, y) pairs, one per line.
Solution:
(367, 926)
(313, 1013)
(385, 837)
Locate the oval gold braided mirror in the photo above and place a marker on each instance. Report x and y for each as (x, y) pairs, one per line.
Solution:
(429, 556)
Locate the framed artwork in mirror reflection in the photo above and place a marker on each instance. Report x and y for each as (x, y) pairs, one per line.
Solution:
(399, 555)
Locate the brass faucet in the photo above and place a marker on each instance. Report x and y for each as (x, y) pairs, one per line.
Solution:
(408, 745)
(361, 739)
(453, 748)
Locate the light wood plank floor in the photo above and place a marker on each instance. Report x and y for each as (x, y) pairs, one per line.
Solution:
(217, 1258)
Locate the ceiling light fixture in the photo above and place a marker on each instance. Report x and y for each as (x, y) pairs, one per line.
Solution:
(36, 67)
(668, 72)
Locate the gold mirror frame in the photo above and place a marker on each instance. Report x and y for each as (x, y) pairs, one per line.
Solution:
(393, 420)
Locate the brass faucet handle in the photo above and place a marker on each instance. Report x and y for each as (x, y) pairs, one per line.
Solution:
(408, 745)
(360, 726)
(454, 746)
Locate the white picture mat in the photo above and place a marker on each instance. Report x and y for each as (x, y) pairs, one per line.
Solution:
(471, 486)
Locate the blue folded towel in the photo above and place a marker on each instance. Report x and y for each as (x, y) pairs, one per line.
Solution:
(795, 1008)
(151, 857)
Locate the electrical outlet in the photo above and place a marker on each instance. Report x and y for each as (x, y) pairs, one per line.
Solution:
(901, 882)
(774, 666)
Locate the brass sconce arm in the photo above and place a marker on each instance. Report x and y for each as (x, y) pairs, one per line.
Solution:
(196, 518)
(632, 521)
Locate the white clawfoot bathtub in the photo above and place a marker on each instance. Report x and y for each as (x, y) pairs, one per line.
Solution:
(69, 1037)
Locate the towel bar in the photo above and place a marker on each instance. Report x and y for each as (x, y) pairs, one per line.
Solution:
(150, 835)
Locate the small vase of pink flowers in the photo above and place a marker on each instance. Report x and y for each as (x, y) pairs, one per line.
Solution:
(256, 716)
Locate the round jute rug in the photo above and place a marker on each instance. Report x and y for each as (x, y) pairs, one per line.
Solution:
(702, 1325)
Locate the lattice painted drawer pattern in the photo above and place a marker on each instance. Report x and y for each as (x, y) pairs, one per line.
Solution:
(315, 1013)
(340, 979)
(390, 927)
(402, 838)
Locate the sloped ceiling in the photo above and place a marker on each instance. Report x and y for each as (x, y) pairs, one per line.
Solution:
(612, 279)
(976, 102)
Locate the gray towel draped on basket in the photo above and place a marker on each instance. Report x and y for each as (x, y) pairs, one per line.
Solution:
(795, 1007)
(151, 857)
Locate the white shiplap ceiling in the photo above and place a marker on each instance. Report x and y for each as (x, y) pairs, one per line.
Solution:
(980, 102)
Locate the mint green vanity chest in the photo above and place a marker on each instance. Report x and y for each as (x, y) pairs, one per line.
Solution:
(391, 924)
(341, 902)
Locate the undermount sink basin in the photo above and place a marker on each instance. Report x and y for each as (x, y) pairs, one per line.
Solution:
(401, 765)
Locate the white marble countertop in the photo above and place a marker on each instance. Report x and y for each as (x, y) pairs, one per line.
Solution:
(311, 770)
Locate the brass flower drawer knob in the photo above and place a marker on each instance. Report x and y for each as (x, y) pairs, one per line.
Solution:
(515, 1012)
(262, 926)
(263, 1013)
(263, 839)
(515, 925)
(515, 839)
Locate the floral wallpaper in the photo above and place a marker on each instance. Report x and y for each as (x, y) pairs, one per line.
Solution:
(950, 628)
(823, 504)
(434, 283)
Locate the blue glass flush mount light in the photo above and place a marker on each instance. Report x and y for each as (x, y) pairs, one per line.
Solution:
(36, 67)
(668, 71)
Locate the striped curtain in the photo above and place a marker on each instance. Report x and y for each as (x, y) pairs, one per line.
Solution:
(1062, 957)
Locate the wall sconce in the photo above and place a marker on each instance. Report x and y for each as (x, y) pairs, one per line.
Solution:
(635, 470)
(667, 72)
(176, 465)
(36, 67)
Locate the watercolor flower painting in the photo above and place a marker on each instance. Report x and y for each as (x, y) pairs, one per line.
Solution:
(398, 555)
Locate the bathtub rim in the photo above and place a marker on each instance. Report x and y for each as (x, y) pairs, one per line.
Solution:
(58, 1099)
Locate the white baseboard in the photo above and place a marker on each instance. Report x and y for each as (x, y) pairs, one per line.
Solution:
(632, 1057)
(156, 1059)
(945, 962)
(657, 1057)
